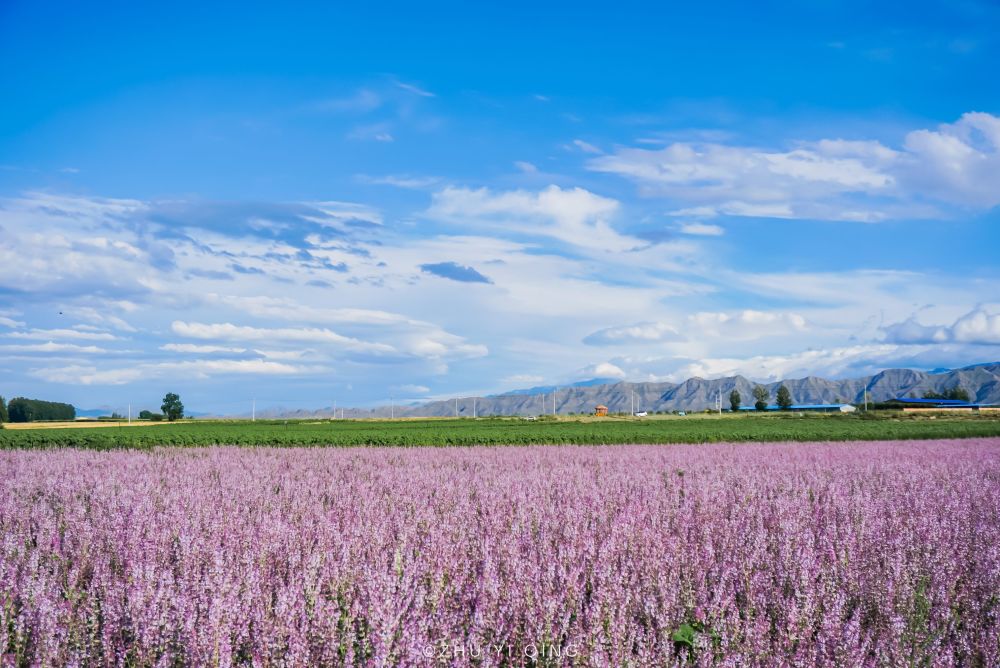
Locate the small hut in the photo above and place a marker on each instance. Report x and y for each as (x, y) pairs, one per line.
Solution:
(601, 410)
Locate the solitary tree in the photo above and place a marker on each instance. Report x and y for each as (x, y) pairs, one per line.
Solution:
(172, 407)
(784, 398)
(761, 396)
(734, 400)
(3, 411)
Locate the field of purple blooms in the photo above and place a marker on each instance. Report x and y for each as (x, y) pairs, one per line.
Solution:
(818, 554)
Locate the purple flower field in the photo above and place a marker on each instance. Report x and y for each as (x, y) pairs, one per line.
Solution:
(846, 554)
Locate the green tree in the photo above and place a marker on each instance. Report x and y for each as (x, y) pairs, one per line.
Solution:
(172, 407)
(20, 409)
(760, 395)
(784, 398)
(734, 400)
(959, 393)
(3, 411)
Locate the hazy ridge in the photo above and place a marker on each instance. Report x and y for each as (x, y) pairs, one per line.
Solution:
(982, 381)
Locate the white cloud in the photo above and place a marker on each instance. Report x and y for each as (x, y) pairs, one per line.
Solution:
(601, 370)
(286, 308)
(405, 335)
(286, 355)
(199, 349)
(911, 331)
(830, 363)
(643, 332)
(832, 179)
(48, 334)
(89, 375)
(414, 339)
(335, 214)
(416, 90)
(734, 180)
(958, 162)
(839, 287)
(586, 147)
(399, 181)
(526, 167)
(440, 345)
(573, 215)
(975, 327)
(230, 332)
(702, 229)
(53, 347)
(414, 389)
(69, 207)
(745, 325)
(101, 317)
(7, 320)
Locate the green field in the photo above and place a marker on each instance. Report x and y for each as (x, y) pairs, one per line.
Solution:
(512, 431)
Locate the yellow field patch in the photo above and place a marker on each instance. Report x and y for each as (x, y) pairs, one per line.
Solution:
(81, 424)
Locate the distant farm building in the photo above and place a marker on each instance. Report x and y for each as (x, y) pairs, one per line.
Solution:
(601, 411)
(811, 408)
(913, 404)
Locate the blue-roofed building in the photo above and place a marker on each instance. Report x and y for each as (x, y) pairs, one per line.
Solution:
(921, 404)
(814, 408)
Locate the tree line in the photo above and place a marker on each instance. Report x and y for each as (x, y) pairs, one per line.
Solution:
(20, 409)
(761, 397)
(956, 393)
(784, 397)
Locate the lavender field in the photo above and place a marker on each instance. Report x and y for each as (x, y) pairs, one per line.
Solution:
(848, 554)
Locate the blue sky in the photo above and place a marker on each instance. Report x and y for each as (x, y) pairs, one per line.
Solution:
(319, 202)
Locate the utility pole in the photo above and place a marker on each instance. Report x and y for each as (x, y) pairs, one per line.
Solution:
(253, 411)
(554, 402)
(456, 406)
(334, 409)
(866, 398)
(392, 407)
(633, 403)
(474, 414)
(130, 412)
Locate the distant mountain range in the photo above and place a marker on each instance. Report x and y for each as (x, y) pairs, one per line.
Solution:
(107, 411)
(93, 412)
(982, 381)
